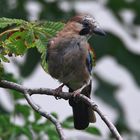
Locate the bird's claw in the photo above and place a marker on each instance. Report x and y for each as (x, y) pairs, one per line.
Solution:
(75, 93)
(57, 91)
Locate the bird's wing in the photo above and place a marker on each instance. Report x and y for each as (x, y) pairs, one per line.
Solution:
(90, 60)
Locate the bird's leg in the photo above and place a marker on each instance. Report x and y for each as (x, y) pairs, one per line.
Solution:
(78, 91)
(58, 90)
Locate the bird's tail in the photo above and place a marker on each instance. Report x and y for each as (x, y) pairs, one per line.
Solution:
(82, 113)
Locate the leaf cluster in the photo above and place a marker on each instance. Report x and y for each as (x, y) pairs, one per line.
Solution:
(18, 36)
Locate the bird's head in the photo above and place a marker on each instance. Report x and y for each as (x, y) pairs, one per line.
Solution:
(86, 25)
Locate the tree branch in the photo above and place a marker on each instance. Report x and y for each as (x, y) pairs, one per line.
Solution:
(37, 108)
(28, 92)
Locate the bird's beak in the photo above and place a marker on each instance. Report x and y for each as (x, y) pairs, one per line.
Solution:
(99, 31)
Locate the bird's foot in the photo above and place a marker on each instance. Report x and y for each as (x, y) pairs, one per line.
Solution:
(76, 92)
(57, 91)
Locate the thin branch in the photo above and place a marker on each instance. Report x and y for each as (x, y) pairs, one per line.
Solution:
(28, 92)
(9, 31)
(44, 114)
(37, 108)
(110, 125)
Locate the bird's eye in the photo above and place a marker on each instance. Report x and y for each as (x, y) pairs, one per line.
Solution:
(86, 28)
(85, 23)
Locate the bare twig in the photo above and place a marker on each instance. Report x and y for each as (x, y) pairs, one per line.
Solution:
(110, 125)
(28, 92)
(37, 108)
(44, 114)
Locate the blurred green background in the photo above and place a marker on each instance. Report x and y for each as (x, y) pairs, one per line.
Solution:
(117, 72)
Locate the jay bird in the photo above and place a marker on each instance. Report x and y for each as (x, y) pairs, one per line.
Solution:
(70, 60)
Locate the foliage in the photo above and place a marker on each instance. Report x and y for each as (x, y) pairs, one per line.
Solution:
(4, 22)
(15, 131)
(1, 70)
(25, 35)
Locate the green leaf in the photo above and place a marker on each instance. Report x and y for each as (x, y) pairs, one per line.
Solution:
(47, 30)
(54, 114)
(5, 121)
(51, 28)
(40, 46)
(15, 44)
(29, 38)
(4, 22)
(3, 58)
(47, 127)
(37, 116)
(1, 70)
(27, 131)
(16, 95)
(22, 130)
(37, 128)
(52, 134)
(93, 130)
(23, 110)
(10, 77)
(41, 35)
(68, 123)
(44, 64)
(5, 126)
